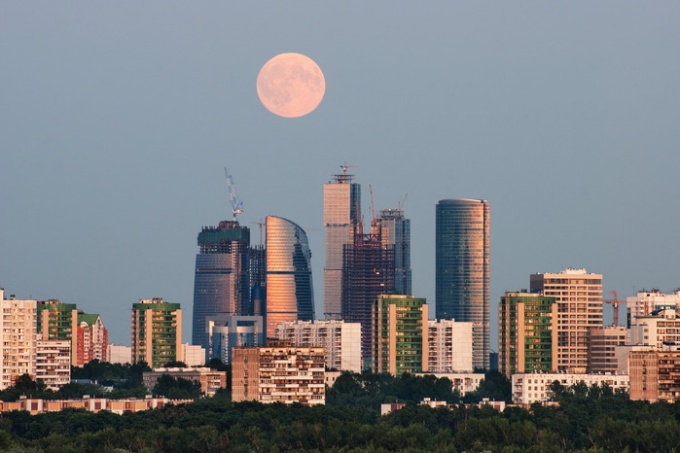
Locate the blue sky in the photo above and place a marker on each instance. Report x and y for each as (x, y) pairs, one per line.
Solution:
(117, 118)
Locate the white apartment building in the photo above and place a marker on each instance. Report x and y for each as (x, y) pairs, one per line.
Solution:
(656, 329)
(193, 355)
(449, 346)
(342, 340)
(528, 388)
(646, 302)
(119, 353)
(18, 325)
(578, 295)
(53, 362)
(463, 383)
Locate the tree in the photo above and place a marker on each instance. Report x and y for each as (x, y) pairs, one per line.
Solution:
(176, 388)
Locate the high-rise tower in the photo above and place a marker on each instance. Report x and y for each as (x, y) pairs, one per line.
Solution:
(394, 229)
(221, 284)
(341, 214)
(289, 292)
(462, 269)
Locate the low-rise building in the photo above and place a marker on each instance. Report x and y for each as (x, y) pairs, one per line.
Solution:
(40, 406)
(528, 388)
(211, 381)
(279, 374)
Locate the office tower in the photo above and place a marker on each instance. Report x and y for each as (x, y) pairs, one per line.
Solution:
(579, 307)
(394, 229)
(227, 332)
(462, 268)
(18, 345)
(341, 340)
(156, 332)
(221, 283)
(258, 279)
(449, 346)
(527, 334)
(400, 332)
(279, 375)
(289, 292)
(341, 215)
(368, 271)
(602, 348)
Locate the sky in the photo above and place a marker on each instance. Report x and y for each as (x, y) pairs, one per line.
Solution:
(118, 118)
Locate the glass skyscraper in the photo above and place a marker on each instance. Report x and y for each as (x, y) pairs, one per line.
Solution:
(394, 229)
(289, 291)
(341, 214)
(462, 269)
(221, 285)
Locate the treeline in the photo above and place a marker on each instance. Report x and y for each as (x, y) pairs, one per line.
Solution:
(587, 419)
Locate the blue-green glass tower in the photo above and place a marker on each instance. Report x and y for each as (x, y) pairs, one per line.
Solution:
(462, 269)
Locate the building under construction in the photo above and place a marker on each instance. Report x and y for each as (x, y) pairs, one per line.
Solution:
(368, 271)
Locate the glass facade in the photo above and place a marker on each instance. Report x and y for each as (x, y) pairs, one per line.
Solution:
(221, 282)
(462, 269)
(341, 213)
(289, 291)
(394, 229)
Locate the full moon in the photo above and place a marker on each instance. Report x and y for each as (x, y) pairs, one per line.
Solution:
(291, 85)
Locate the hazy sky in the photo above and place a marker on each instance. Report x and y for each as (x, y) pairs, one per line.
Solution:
(117, 118)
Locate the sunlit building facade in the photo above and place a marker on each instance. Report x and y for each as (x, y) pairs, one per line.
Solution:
(579, 308)
(156, 332)
(18, 346)
(449, 346)
(289, 291)
(462, 268)
(341, 214)
(222, 280)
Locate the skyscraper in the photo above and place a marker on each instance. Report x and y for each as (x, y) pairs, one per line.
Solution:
(341, 214)
(579, 307)
(368, 271)
(289, 292)
(394, 229)
(462, 269)
(221, 284)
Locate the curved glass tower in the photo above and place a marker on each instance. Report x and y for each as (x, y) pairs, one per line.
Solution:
(221, 283)
(462, 269)
(290, 295)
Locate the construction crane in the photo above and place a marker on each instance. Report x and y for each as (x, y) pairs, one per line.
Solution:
(615, 303)
(374, 220)
(236, 203)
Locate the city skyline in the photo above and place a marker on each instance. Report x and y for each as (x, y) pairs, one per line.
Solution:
(117, 120)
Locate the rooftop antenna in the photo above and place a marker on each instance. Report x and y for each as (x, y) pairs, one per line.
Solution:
(236, 203)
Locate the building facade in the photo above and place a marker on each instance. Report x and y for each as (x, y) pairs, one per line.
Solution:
(118, 353)
(53, 363)
(462, 268)
(18, 346)
(341, 215)
(156, 332)
(659, 328)
(527, 337)
(394, 229)
(341, 341)
(92, 339)
(289, 291)
(222, 280)
(279, 374)
(400, 330)
(644, 303)
(232, 331)
(655, 375)
(602, 348)
(210, 380)
(368, 271)
(579, 308)
(529, 388)
(449, 348)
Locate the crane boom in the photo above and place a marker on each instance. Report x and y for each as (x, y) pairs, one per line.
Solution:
(236, 203)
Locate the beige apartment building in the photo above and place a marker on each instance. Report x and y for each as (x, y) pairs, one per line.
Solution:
(279, 374)
(578, 295)
(603, 341)
(18, 334)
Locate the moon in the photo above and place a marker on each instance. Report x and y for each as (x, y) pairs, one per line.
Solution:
(291, 85)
